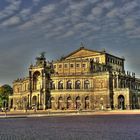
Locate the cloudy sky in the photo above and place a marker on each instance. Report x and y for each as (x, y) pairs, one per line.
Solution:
(28, 27)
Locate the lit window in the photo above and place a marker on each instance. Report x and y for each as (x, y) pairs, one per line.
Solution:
(52, 85)
(60, 85)
(69, 84)
(86, 84)
(77, 84)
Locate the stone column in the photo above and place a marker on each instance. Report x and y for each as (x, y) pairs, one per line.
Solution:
(117, 81)
(64, 84)
(125, 83)
(82, 83)
(73, 83)
(38, 101)
(130, 84)
(115, 102)
(30, 88)
(28, 101)
(113, 83)
(82, 102)
(44, 91)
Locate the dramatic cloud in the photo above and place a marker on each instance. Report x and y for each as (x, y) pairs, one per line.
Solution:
(12, 7)
(46, 24)
(11, 21)
(129, 23)
(36, 2)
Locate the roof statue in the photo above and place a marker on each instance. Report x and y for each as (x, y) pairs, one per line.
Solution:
(41, 59)
(81, 45)
(42, 54)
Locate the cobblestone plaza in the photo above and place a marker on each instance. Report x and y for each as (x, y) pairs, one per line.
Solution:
(116, 127)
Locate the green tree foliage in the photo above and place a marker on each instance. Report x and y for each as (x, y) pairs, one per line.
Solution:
(5, 91)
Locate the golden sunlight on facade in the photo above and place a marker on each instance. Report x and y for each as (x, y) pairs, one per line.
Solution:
(85, 80)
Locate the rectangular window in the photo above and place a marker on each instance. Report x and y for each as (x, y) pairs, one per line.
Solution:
(77, 65)
(84, 65)
(71, 65)
(60, 66)
(66, 66)
(54, 66)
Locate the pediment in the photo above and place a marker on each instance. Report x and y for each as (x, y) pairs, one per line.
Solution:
(82, 52)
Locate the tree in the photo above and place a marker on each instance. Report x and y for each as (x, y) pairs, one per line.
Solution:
(5, 92)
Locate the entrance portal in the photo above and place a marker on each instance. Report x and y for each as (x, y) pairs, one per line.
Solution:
(87, 103)
(121, 102)
(60, 103)
(78, 103)
(34, 101)
(69, 103)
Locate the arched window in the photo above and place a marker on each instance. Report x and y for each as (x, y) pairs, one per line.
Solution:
(77, 84)
(86, 84)
(60, 103)
(36, 80)
(34, 100)
(121, 102)
(69, 84)
(60, 85)
(78, 103)
(69, 103)
(87, 102)
(52, 85)
(52, 102)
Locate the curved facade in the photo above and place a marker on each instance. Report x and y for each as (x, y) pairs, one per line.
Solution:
(85, 79)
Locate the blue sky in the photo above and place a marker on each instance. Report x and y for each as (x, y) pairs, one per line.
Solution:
(28, 27)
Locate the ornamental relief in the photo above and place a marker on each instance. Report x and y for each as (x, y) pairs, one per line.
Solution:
(100, 83)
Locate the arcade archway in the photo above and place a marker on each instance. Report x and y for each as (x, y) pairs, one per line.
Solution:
(121, 102)
(78, 103)
(69, 103)
(87, 103)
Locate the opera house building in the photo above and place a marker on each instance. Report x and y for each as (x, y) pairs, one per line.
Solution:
(83, 80)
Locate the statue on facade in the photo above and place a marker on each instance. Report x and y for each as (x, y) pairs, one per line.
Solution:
(41, 59)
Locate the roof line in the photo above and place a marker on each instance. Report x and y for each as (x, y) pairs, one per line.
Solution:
(81, 48)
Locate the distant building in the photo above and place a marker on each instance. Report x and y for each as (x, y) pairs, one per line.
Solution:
(85, 79)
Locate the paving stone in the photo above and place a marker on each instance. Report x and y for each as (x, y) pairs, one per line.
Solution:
(116, 127)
